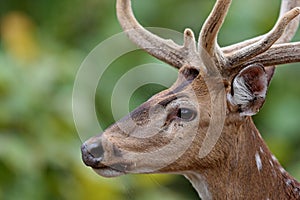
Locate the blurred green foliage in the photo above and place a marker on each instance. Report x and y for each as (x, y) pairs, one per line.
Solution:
(42, 46)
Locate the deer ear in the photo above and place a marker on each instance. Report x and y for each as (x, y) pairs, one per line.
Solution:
(270, 73)
(249, 89)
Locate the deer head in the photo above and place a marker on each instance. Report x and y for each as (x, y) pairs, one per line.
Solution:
(201, 126)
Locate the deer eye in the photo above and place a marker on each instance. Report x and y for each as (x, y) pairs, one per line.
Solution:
(186, 114)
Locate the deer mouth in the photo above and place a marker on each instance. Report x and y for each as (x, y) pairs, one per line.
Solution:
(113, 170)
(96, 163)
(108, 172)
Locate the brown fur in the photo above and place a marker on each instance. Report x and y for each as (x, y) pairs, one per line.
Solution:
(155, 139)
(230, 170)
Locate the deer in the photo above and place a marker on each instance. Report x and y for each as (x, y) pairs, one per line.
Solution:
(201, 127)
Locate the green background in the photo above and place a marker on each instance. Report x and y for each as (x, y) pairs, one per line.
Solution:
(42, 45)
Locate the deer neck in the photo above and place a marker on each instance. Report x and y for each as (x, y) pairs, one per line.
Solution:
(250, 171)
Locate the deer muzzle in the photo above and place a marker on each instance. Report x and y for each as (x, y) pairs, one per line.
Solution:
(93, 156)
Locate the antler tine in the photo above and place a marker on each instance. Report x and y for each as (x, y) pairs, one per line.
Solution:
(278, 55)
(212, 26)
(164, 50)
(265, 43)
(290, 31)
(286, 5)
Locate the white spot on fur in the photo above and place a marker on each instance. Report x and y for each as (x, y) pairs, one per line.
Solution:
(254, 135)
(259, 136)
(288, 182)
(261, 149)
(271, 163)
(258, 162)
(274, 158)
(282, 170)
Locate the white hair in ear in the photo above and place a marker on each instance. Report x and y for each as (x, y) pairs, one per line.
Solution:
(249, 90)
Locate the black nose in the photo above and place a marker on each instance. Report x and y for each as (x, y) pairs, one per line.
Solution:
(92, 155)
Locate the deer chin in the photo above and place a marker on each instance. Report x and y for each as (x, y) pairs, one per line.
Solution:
(108, 172)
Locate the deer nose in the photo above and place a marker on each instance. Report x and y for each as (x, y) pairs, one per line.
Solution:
(92, 154)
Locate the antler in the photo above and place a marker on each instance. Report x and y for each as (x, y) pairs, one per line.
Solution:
(290, 31)
(260, 49)
(248, 52)
(277, 55)
(286, 5)
(212, 26)
(165, 50)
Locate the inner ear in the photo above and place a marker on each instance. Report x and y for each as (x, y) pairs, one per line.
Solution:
(249, 89)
